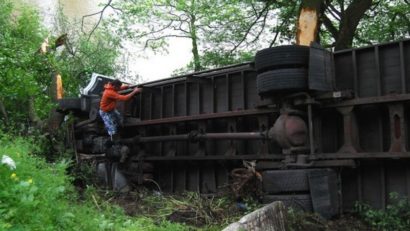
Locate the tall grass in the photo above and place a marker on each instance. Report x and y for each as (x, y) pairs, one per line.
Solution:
(37, 195)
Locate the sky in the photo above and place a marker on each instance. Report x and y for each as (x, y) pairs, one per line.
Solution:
(160, 66)
(150, 67)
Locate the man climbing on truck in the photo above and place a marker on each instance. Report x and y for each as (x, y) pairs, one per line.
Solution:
(108, 112)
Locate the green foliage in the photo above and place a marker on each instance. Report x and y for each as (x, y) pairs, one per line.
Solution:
(226, 27)
(213, 59)
(26, 73)
(37, 195)
(395, 217)
(191, 208)
(22, 72)
(389, 21)
(82, 55)
(386, 20)
(216, 29)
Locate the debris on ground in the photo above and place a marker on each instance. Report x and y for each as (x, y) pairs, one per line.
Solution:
(301, 221)
(246, 182)
(271, 217)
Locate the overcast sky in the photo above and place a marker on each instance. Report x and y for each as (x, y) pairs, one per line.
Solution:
(151, 67)
(161, 65)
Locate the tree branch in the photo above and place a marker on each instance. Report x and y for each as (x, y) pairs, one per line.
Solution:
(100, 18)
(277, 33)
(162, 37)
(259, 15)
(335, 13)
(354, 12)
(330, 27)
(262, 27)
(280, 26)
(156, 31)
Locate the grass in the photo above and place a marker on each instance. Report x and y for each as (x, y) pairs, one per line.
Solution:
(38, 195)
(189, 208)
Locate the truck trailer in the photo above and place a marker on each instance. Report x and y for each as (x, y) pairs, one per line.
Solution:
(323, 129)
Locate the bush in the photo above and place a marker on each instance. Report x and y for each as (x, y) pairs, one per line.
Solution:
(36, 195)
(395, 217)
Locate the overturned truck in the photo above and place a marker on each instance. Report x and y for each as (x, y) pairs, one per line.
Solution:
(324, 129)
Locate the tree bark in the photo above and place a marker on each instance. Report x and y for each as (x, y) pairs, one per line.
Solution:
(314, 4)
(308, 22)
(349, 22)
(195, 52)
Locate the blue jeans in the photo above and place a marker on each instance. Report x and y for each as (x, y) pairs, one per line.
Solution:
(112, 120)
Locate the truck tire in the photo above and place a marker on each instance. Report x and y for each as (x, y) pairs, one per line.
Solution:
(281, 79)
(281, 57)
(301, 202)
(285, 181)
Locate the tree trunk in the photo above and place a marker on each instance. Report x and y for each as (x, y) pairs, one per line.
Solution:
(4, 112)
(314, 4)
(272, 217)
(308, 22)
(33, 117)
(195, 52)
(349, 22)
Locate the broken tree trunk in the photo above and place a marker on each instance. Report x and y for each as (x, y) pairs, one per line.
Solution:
(271, 217)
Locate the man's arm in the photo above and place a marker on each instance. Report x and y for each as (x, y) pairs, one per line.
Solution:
(117, 96)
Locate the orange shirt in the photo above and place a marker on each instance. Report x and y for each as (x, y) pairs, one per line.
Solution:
(110, 97)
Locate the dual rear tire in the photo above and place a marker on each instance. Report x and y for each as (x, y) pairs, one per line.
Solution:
(282, 68)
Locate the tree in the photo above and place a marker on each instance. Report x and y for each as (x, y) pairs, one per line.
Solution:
(214, 59)
(347, 18)
(230, 27)
(211, 25)
(26, 73)
(21, 69)
(358, 22)
(85, 52)
(391, 21)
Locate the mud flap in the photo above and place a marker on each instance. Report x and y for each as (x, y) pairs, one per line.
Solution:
(111, 177)
(314, 190)
(321, 69)
(324, 190)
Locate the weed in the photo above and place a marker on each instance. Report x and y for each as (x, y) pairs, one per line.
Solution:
(38, 195)
(394, 217)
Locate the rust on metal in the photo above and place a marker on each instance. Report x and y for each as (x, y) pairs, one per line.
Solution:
(289, 131)
(350, 132)
(397, 128)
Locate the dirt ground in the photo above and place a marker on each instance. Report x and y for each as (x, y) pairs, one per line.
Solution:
(313, 222)
(203, 212)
